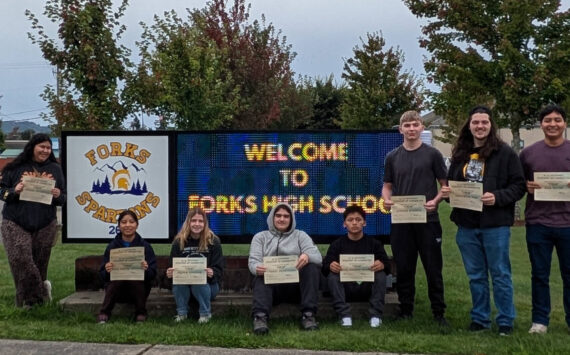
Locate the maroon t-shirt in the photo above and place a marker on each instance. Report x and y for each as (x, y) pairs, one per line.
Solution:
(540, 157)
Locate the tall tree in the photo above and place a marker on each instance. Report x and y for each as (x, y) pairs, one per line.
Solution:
(511, 55)
(258, 57)
(216, 70)
(325, 100)
(90, 63)
(182, 77)
(378, 89)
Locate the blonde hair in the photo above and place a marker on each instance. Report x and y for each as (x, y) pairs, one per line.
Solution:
(410, 116)
(206, 236)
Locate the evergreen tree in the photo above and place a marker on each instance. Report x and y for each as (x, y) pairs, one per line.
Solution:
(378, 91)
(325, 100)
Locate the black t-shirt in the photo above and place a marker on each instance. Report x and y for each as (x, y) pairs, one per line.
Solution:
(474, 171)
(415, 172)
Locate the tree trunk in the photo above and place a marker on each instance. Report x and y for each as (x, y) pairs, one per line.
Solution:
(515, 130)
(516, 144)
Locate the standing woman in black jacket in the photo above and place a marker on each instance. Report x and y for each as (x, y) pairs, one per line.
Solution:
(29, 228)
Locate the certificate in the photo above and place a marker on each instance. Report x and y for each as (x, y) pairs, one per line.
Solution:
(127, 264)
(189, 271)
(281, 269)
(356, 267)
(37, 189)
(466, 195)
(554, 186)
(409, 209)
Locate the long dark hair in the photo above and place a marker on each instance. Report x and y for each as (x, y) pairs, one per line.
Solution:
(27, 155)
(463, 148)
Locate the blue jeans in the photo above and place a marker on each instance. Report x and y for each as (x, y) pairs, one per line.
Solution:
(204, 294)
(486, 251)
(540, 241)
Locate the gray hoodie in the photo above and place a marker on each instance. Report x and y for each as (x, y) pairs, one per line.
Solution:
(272, 242)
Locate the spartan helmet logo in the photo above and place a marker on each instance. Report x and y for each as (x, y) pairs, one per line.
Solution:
(121, 180)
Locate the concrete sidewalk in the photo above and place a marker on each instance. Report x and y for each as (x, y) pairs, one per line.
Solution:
(27, 347)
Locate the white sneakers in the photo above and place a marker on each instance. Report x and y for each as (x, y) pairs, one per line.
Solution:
(204, 319)
(375, 322)
(182, 317)
(179, 318)
(47, 285)
(537, 328)
(346, 322)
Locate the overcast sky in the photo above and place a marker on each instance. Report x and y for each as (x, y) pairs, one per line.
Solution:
(321, 32)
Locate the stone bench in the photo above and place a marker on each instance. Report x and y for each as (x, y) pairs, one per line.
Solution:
(234, 297)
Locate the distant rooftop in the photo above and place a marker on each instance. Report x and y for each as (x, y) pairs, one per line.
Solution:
(10, 153)
(431, 120)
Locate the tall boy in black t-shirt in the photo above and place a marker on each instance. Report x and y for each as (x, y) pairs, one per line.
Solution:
(356, 243)
(415, 168)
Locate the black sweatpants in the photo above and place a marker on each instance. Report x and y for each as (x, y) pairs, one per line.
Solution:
(344, 292)
(408, 240)
(306, 292)
(134, 292)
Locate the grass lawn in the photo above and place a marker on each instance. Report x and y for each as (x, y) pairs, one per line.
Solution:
(419, 335)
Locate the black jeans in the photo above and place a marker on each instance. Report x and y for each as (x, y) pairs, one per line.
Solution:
(408, 240)
(306, 292)
(343, 292)
(135, 292)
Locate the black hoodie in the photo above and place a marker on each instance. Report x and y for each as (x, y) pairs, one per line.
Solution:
(31, 216)
(149, 256)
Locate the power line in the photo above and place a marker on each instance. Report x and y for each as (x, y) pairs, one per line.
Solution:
(17, 113)
(24, 119)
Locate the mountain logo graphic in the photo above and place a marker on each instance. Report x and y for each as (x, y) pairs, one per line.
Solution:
(119, 178)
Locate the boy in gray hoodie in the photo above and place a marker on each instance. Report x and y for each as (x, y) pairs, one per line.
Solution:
(283, 239)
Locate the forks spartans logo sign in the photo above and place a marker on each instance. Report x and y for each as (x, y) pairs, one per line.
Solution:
(108, 174)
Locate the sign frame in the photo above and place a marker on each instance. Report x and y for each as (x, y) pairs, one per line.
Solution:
(173, 167)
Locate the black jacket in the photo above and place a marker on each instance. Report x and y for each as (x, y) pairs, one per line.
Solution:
(365, 245)
(504, 178)
(214, 256)
(31, 216)
(149, 256)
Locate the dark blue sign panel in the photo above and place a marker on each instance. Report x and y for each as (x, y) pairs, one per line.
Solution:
(238, 177)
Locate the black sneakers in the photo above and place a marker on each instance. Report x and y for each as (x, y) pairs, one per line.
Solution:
(476, 327)
(260, 324)
(404, 316)
(441, 321)
(308, 321)
(505, 330)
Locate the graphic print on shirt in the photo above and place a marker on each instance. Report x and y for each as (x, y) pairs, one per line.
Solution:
(43, 175)
(474, 170)
(192, 252)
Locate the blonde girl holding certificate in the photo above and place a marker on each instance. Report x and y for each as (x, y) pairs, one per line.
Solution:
(196, 240)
